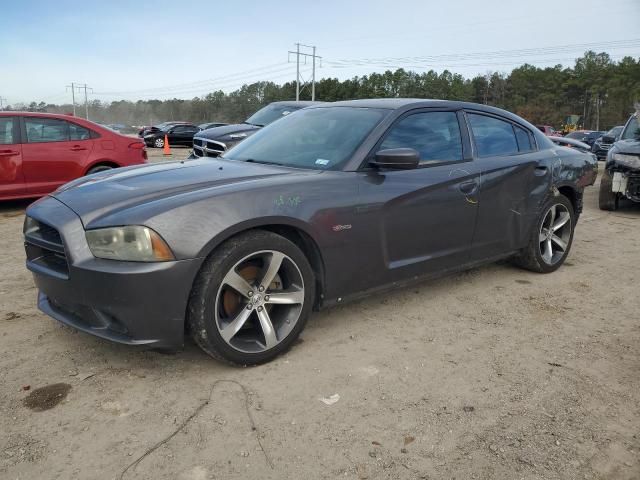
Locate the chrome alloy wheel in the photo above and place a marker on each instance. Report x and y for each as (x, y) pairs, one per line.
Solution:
(259, 301)
(555, 234)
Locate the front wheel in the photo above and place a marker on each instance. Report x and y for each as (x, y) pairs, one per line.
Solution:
(158, 142)
(251, 299)
(551, 238)
(607, 199)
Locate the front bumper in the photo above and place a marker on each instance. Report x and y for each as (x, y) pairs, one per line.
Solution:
(127, 302)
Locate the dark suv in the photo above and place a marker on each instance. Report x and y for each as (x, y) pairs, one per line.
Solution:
(213, 142)
(621, 177)
(602, 144)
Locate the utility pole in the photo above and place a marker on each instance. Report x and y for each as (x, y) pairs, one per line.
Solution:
(300, 85)
(598, 112)
(73, 96)
(79, 87)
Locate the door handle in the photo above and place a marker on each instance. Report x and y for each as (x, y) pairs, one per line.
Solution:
(77, 148)
(541, 171)
(8, 152)
(468, 188)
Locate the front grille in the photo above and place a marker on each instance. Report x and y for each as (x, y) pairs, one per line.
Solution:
(216, 147)
(633, 188)
(207, 148)
(44, 247)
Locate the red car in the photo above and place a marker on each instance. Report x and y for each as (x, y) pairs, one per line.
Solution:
(549, 131)
(41, 151)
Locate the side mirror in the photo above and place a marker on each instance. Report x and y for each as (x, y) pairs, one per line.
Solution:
(396, 159)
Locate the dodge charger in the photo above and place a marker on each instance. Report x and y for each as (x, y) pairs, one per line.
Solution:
(330, 203)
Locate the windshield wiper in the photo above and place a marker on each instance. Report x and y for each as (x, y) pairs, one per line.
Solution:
(253, 124)
(264, 162)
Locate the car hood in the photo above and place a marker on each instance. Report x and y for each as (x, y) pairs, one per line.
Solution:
(216, 133)
(97, 196)
(628, 146)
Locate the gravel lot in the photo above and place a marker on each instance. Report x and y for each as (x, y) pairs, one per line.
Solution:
(495, 373)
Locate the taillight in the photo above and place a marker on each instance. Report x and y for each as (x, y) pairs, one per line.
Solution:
(140, 146)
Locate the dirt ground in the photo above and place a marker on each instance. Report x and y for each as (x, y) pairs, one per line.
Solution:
(496, 373)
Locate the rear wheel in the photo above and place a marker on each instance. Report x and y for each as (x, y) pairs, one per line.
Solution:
(607, 199)
(99, 168)
(551, 239)
(251, 299)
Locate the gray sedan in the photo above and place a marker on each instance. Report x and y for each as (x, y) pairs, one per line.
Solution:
(330, 203)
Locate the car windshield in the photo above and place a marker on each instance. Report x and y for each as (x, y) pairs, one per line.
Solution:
(270, 114)
(632, 129)
(318, 138)
(577, 135)
(614, 132)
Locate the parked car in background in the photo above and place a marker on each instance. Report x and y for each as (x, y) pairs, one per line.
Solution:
(330, 203)
(585, 136)
(145, 130)
(571, 143)
(621, 176)
(205, 126)
(602, 144)
(181, 134)
(548, 130)
(215, 141)
(118, 127)
(41, 151)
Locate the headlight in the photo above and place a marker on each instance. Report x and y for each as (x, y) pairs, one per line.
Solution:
(131, 243)
(631, 161)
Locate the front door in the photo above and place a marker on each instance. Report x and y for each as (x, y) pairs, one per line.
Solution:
(182, 135)
(422, 219)
(11, 174)
(54, 152)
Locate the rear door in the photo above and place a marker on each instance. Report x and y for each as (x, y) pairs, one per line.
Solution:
(11, 174)
(54, 152)
(515, 179)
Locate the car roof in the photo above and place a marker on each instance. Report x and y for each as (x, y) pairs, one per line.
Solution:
(62, 116)
(293, 103)
(411, 103)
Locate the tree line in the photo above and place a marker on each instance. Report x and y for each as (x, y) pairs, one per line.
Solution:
(602, 91)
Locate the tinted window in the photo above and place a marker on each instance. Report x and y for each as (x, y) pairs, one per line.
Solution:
(76, 132)
(492, 136)
(524, 139)
(317, 138)
(435, 135)
(46, 130)
(6, 130)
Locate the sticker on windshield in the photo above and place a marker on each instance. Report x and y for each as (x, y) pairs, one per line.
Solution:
(322, 161)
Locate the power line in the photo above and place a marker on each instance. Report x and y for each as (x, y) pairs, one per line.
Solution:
(199, 83)
(204, 89)
(632, 43)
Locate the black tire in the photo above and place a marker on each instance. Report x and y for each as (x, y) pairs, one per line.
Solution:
(202, 302)
(607, 200)
(99, 168)
(530, 258)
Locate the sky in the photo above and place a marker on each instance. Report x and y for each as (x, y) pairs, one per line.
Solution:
(164, 49)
